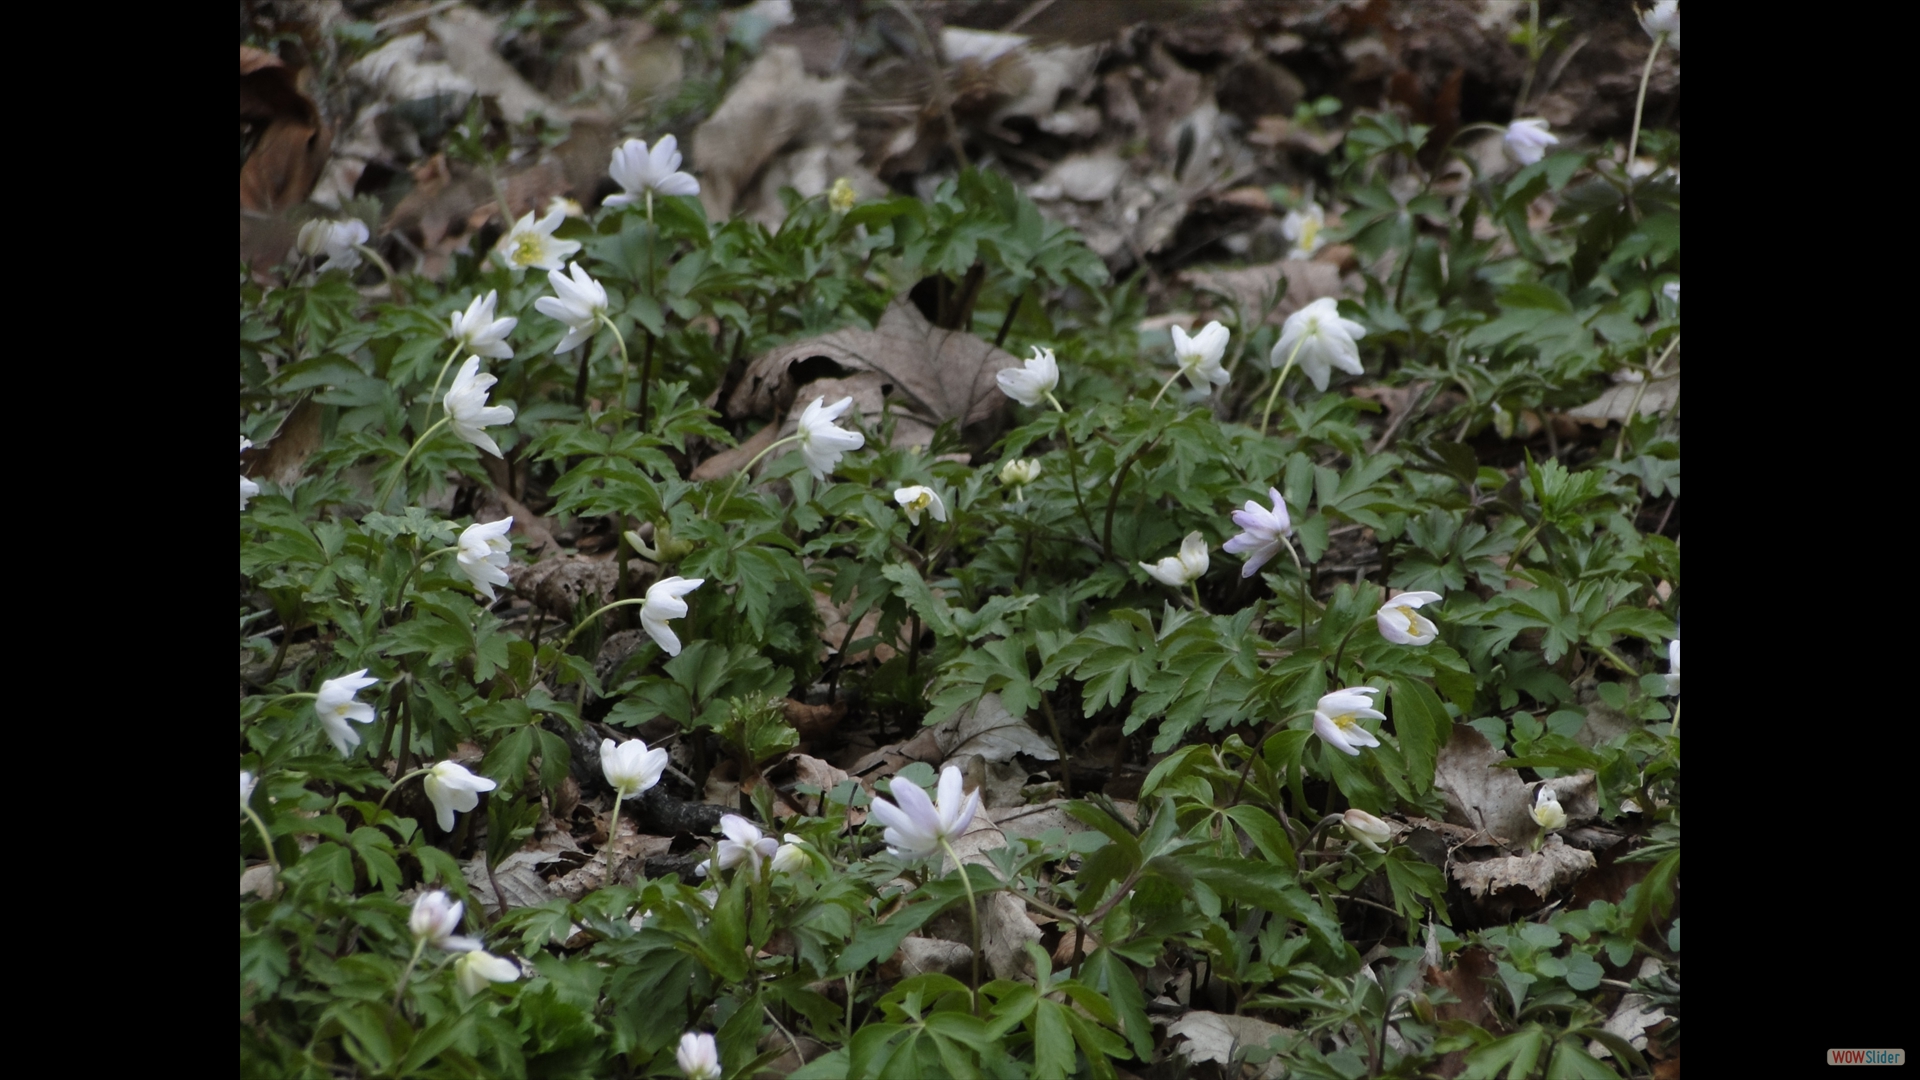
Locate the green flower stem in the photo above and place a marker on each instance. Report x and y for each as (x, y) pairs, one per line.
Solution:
(973, 910)
(386, 269)
(561, 648)
(1535, 50)
(1055, 402)
(1640, 100)
(613, 831)
(1194, 587)
(274, 860)
(400, 988)
(387, 492)
(382, 805)
(621, 341)
(735, 486)
(1640, 391)
(1281, 378)
(1254, 751)
(1164, 387)
(434, 394)
(1073, 473)
(1341, 649)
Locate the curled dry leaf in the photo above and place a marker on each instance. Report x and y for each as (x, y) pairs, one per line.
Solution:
(292, 147)
(774, 106)
(986, 728)
(1211, 1036)
(1478, 794)
(1554, 866)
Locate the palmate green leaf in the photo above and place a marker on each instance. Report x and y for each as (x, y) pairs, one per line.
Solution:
(1518, 1053)
(1422, 724)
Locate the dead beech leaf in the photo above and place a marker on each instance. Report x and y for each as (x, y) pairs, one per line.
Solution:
(813, 721)
(280, 456)
(773, 106)
(1554, 866)
(1211, 1036)
(986, 728)
(467, 35)
(921, 373)
(1249, 287)
(1479, 795)
(1616, 401)
(292, 148)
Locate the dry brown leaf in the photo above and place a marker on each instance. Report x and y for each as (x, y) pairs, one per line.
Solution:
(986, 728)
(1553, 867)
(467, 36)
(728, 462)
(1249, 287)
(926, 376)
(279, 456)
(774, 105)
(813, 721)
(292, 147)
(833, 631)
(1478, 794)
(1005, 928)
(1221, 1037)
(1616, 401)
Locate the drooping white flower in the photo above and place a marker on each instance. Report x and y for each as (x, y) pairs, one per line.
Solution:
(1663, 18)
(435, 920)
(790, 858)
(1527, 140)
(663, 602)
(1305, 227)
(335, 706)
(1030, 383)
(1178, 570)
(334, 239)
(1263, 532)
(530, 243)
(917, 825)
(1402, 624)
(821, 442)
(247, 781)
(1366, 828)
(1336, 718)
(467, 408)
(1546, 809)
(451, 788)
(484, 553)
(630, 767)
(745, 845)
(579, 302)
(917, 500)
(473, 971)
(639, 170)
(1019, 472)
(1326, 341)
(1673, 670)
(698, 1057)
(1199, 356)
(478, 332)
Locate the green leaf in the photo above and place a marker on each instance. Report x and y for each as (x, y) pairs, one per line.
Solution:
(1424, 727)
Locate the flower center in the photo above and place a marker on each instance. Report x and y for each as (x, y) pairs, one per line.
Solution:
(527, 251)
(1308, 232)
(918, 502)
(1344, 721)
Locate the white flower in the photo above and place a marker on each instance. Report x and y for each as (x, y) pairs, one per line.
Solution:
(639, 171)
(1336, 718)
(1199, 355)
(1671, 290)
(1031, 383)
(699, 1058)
(745, 845)
(917, 825)
(1546, 809)
(1664, 18)
(1263, 532)
(630, 767)
(473, 971)
(1304, 227)
(1325, 340)
(531, 243)
(450, 788)
(479, 332)
(842, 196)
(335, 705)
(434, 919)
(917, 500)
(1019, 472)
(1673, 671)
(467, 408)
(564, 205)
(1401, 624)
(484, 551)
(1178, 570)
(248, 489)
(822, 443)
(791, 858)
(663, 602)
(246, 789)
(335, 240)
(579, 302)
(1527, 140)
(1367, 829)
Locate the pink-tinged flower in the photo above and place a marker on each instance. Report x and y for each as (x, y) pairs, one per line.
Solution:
(1401, 623)
(1527, 140)
(474, 970)
(484, 553)
(467, 408)
(638, 170)
(745, 845)
(1263, 531)
(698, 1057)
(451, 788)
(1366, 828)
(1199, 356)
(435, 920)
(335, 706)
(821, 441)
(1337, 716)
(630, 767)
(662, 603)
(478, 332)
(918, 825)
(1178, 570)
